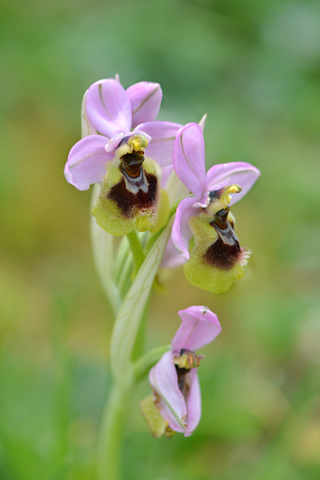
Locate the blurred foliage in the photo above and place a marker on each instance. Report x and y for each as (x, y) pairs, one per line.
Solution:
(254, 68)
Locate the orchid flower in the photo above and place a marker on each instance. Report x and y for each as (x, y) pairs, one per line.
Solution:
(176, 402)
(123, 152)
(203, 230)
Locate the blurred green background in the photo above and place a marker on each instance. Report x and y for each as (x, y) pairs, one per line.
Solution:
(254, 68)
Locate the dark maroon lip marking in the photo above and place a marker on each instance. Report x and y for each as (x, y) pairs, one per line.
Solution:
(127, 201)
(223, 256)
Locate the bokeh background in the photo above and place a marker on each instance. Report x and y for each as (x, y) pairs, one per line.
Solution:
(254, 68)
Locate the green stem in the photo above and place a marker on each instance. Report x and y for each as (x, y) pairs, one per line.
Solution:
(111, 438)
(136, 249)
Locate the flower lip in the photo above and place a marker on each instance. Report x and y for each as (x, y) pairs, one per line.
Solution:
(226, 250)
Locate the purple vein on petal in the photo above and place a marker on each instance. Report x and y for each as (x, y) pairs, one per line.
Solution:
(146, 100)
(101, 98)
(85, 158)
(165, 139)
(184, 154)
(193, 328)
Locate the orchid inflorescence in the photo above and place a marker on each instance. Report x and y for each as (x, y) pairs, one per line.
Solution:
(151, 188)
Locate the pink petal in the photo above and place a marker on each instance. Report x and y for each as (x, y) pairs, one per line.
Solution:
(199, 327)
(86, 127)
(193, 403)
(108, 107)
(87, 162)
(114, 142)
(163, 135)
(164, 380)
(145, 98)
(189, 159)
(166, 172)
(181, 232)
(239, 173)
(171, 257)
